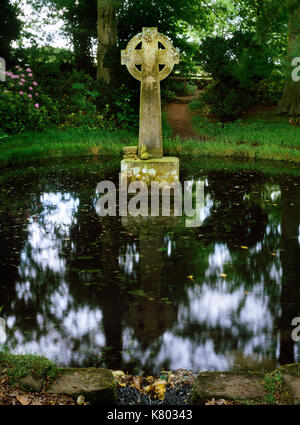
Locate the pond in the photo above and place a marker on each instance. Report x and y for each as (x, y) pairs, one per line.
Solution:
(85, 290)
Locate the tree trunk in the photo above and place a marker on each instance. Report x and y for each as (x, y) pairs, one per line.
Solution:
(107, 34)
(290, 101)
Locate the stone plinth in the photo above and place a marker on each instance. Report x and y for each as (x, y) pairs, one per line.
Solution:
(163, 170)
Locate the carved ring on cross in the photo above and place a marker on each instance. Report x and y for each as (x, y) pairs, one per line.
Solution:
(150, 51)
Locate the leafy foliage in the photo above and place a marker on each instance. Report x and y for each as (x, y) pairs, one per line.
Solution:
(10, 27)
(237, 64)
(270, 89)
(22, 106)
(21, 365)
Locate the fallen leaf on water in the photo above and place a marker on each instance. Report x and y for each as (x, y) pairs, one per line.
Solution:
(191, 277)
(223, 275)
(244, 247)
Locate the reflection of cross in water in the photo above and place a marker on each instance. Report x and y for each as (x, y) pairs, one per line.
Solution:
(150, 57)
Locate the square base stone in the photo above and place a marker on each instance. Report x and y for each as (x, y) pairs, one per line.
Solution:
(96, 385)
(228, 386)
(163, 170)
(294, 384)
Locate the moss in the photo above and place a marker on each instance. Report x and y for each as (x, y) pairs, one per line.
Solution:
(291, 369)
(276, 388)
(21, 365)
(209, 384)
(96, 385)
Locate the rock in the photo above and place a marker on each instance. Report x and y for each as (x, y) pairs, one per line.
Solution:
(294, 384)
(228, 386)
(31, 382)
(96, 385)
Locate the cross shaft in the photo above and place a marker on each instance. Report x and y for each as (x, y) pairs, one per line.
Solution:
(149, 57)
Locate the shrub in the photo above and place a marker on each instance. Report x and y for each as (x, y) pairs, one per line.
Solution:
(270, 89)
(237, 65)
(225, 102)
(191, 89)
(91, 120)
(22, 106)
(51, 66)
(177, 87)
(127, 108)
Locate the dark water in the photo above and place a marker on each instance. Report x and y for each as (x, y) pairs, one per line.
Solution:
(91, 291)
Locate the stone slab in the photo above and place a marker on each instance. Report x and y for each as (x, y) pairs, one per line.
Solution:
(228, 386)
(294, 384)
(32, 383)
(96, 385)
(162, 170)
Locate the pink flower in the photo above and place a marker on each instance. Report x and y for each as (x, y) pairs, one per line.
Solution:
(30, 75)
(21, 93)
(20, 83)
(5, 91)
(36, 94)
(22, 75)
(30, 88)
(18, 67)
(35, 83)
(37, 105)
(28, 70)
(30, 96)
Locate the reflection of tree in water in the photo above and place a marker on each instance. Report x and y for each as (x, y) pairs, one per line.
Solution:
(94, 275)
(290, 260)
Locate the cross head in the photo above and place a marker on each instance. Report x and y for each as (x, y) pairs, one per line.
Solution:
(150, 57)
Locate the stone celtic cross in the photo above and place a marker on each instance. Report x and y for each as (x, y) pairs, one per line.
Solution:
(150, 57)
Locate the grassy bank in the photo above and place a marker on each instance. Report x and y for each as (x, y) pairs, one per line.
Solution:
(24, 148)
(260, 135)
(253, 138)
(18, 366)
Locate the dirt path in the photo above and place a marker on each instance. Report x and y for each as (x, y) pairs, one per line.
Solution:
(179, 118)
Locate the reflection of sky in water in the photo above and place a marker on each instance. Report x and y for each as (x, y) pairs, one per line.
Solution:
(47, 231)
(129, 260)
(209, 305)
(45, 237)
(212, 308)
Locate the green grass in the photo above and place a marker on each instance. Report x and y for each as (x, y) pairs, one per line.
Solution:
(17, 366)
(258, 137)
(55, 143)
(277, 391)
